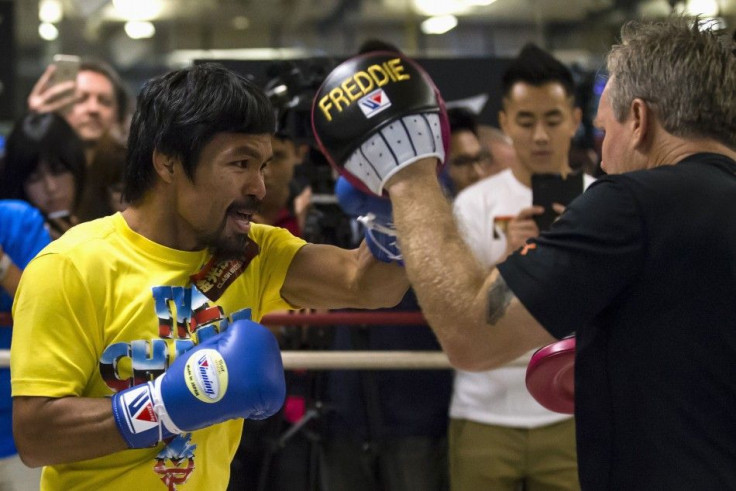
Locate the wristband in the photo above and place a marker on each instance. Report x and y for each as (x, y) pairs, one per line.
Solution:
(5, 263)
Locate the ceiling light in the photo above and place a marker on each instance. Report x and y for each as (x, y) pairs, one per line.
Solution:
(441, 7)
(439, 24)
(139, 29)
(48, 31)
(479, 3)
(138, 9)
(50, 11)
(241, 22)
(706, 8)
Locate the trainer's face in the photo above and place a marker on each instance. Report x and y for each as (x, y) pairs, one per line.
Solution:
(541, 122)
(217, 206)
(95, 111)
(469, 161)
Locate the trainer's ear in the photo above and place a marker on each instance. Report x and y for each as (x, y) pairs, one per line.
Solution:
(641, 113)
(164, 166)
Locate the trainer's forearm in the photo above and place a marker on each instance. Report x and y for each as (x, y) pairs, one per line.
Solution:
(444, 273)
(52, 431)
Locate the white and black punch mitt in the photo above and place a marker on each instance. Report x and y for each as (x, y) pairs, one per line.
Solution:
(377, 113)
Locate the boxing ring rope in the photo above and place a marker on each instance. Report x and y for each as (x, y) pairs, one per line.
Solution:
(349, 360)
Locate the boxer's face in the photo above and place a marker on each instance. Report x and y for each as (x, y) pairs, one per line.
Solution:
(541, 122)
(215, 209)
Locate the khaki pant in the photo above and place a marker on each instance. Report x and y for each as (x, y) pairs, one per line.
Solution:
(15, 476)
(486, 457)
(401, 464)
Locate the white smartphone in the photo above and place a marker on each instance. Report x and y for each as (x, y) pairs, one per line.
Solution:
(67, 67)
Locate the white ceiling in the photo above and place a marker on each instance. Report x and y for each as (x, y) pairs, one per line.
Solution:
(576, 30)
(323, 25)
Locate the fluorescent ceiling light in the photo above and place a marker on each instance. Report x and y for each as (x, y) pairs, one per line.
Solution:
(50, 11)
(706, 8)
(184, 57)
(439, 24)
(241, 22)
(139, 29)
(48, 31)
(441, 7)
(138, 9)
(448, 7)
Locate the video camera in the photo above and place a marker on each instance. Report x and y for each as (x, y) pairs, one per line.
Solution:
(291, 88)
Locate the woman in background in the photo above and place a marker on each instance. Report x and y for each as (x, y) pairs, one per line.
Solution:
(45, 166)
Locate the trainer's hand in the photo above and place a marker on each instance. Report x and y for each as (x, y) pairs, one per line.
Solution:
(376, 114)
(46, 97)
(375, 215)
(235, 374)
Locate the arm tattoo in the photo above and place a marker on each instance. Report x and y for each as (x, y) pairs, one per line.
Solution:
(499, 299)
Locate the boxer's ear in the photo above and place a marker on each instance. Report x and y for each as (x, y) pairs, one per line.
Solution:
(164, 166)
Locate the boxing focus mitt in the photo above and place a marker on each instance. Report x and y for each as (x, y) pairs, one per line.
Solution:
(377, 113)
(375, 215)
(235, 374)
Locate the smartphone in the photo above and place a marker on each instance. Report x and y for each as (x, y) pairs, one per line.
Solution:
(553, 188)
(67, 67)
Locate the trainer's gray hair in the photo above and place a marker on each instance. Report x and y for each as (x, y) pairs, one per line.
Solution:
(683, 70)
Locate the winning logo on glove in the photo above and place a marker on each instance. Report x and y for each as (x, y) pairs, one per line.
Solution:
(206, 376)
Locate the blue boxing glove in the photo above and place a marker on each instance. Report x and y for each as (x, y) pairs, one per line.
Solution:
(375, 215)
(235, 374)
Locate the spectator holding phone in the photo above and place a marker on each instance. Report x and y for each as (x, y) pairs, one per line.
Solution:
(94, 103)
(495, 423)
(45, 166)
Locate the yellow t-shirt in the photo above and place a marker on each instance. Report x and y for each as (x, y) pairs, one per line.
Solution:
(103, 309)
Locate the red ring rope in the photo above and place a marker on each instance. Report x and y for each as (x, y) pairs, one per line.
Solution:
(344, 318)
(321, 318)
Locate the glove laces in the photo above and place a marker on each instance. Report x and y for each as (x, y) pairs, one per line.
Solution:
(372, 225)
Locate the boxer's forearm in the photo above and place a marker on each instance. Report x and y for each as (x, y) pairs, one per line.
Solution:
(52, 431)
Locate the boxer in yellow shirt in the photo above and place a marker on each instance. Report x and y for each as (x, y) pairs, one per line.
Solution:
(137, 350)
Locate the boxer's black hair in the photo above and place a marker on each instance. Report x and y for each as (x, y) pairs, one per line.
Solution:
(537, 67)
(178, 113)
